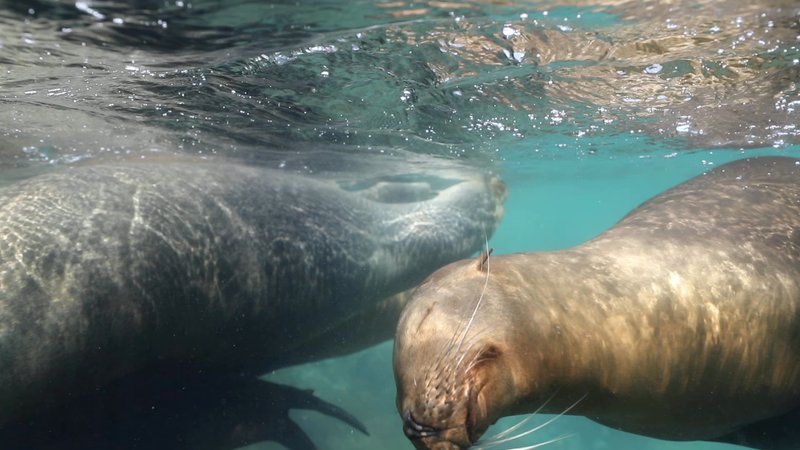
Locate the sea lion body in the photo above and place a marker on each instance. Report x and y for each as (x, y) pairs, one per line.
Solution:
(680, 322)
(106, 269)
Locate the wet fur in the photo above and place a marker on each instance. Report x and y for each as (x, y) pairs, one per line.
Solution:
(742, 216)
(107, 269)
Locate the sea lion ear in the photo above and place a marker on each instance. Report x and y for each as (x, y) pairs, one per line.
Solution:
(483, 260)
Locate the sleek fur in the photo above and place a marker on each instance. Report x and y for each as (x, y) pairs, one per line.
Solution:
(680, 322)
(107, 269)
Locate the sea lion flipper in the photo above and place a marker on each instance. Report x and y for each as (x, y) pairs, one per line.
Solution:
(295, 398)
(336, 412)
(293, 437)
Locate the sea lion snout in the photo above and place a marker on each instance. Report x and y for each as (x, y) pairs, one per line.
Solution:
(451, 376)
(434, 420)
(415, 430)
(426, 437)
(446, 408)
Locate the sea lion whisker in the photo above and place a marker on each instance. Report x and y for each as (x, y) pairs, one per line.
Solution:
(542, 444)
(496, 442)
(474, 363)
(480, 357)
(451, 344)
(518, 425)
(483, 265)
(446, 351)
(439, 368)
(477, 356)
(455, 342)
(475, 336)
(479, 302)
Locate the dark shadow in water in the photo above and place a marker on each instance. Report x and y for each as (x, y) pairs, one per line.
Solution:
(170, 408)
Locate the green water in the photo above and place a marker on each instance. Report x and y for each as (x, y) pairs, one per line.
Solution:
(585, 109)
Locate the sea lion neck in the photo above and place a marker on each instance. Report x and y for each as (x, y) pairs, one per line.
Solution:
(557, 306)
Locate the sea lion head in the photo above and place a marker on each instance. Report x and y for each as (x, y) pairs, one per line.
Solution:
(455, 371)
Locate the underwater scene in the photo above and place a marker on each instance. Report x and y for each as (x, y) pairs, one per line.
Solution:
(445, 127)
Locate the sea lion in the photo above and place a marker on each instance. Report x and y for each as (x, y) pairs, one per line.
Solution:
(111, 267)
(680, 322)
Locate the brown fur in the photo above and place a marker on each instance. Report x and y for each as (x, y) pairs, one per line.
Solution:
(680, 322)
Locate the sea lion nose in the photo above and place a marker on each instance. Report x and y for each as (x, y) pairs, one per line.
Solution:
(415, 430)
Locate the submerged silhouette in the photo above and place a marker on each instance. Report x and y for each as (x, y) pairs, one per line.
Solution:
(170, 408)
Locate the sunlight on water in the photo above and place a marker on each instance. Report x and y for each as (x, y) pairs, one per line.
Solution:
(585, 108)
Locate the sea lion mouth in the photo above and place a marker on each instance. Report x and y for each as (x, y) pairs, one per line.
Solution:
(429, 437)
(415, 430)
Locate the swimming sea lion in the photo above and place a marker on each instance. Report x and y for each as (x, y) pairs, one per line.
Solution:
(680, 322)
(111, 267)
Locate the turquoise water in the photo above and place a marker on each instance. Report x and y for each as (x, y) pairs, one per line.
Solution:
(585, 109)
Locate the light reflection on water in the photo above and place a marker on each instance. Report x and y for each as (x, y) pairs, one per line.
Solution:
(465, 79)
(588, 107)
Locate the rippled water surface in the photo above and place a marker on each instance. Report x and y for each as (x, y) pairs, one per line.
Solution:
(585, 108)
